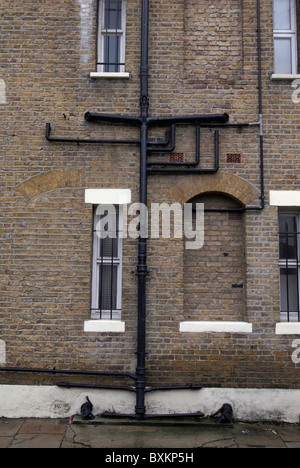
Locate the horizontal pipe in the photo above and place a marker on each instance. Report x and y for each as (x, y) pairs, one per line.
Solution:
(233, 125)
(84, 140)
(70, 372)
(183, 387)
(201, 119)
(95, 117)
(197, 414)
(103, 387)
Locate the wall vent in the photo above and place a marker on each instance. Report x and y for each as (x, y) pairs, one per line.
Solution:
(235, 216)
(234, 158)
(176, 157)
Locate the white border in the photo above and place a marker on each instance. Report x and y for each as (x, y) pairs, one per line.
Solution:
(215, 327)
(104, 326)
(278, 76)
(285, 197)
(110, 75)
(108, 196)
(290, 328)
(249, 404)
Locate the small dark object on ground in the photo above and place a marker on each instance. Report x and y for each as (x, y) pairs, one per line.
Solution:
(225, 414)
(86, 410)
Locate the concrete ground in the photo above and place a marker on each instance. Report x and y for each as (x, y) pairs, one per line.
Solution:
(160, 434)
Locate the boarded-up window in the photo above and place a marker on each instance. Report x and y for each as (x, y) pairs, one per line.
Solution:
(214, 276)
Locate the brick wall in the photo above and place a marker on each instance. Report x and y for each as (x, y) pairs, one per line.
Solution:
(203, 59)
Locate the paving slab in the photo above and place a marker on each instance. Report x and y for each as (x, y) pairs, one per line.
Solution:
(36, 441)
(125, 436)
(257, 436)
(111, 434)
(43, 426)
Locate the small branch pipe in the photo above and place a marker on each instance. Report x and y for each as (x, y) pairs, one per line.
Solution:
(85, 140)
(168, 170)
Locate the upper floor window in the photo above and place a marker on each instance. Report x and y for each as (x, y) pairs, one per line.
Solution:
(285, 37)
(111, 36)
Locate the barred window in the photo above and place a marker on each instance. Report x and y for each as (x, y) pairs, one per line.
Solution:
(289, 264)
(285, 37)
(107, 263)
(111, 36)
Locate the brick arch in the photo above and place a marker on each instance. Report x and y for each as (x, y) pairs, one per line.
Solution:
(233, 186)
(48, 181)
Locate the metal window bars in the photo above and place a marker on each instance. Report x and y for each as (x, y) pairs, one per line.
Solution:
(289, 264)
(112, 36)
(107, 266)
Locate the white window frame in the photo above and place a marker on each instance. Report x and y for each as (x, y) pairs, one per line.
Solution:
(102, 31)
(291, 263)
(96, 313)
(290, 34)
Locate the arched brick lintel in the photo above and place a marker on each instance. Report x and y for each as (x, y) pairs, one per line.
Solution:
(48, 181)
(233, 186)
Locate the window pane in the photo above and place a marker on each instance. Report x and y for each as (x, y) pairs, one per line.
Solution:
(289, 290)
(113, 13)
(283, 56)
(108, 287)
(288, 237)
(288, 223)
(112, 53)
(282, 14)
(109, 248)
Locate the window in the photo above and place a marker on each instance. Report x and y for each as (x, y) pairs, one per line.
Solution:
(285, 37)
(111, 36)
(107, 263)
(289, 264)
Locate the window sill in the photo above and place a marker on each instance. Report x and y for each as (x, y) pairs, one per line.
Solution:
(281, 77)
(104, 326)
(110, 75)
(288, 328)
(215, 327)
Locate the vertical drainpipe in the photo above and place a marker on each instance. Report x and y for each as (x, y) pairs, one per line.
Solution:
(140, 408)
(261, 134)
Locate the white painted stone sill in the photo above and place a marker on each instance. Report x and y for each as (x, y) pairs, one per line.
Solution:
(277, 76)
(215, 327)
(110, 75)
(104, 326)
(288, 328)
